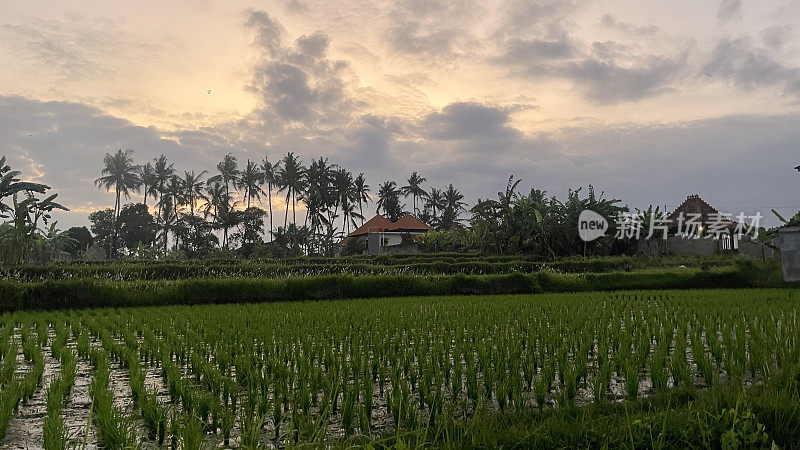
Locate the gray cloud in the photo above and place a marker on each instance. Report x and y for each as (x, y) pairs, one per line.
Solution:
(298, 84)
(606, 81)
(460, 121)
(609, 73)
(729, 10)
(437, 30)
(776, 36)
(738, 161)
(747, 66)
(612, 22)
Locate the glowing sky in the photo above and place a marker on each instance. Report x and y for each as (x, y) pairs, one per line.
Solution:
(648, 101)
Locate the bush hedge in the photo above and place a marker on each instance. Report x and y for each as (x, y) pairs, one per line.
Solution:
(378, 265)
(88, 292)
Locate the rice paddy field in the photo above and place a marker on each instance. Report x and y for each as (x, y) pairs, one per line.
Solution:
(660, 368)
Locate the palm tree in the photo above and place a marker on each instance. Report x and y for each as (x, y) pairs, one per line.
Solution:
(269, 170)
(452, 206)
(435, 201)
(163, 172)
(318, 194)
(389, 200)
(215, 193)
(228, 171)
(227, 217)
(250, 182)
(147, 174)
(193, 189)
(414, 188)
(344, 191)
(350, 215)
(291, 178)
(362, 194)
(121, 174)
(175, 193)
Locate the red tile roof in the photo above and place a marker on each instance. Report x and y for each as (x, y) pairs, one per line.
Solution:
(380, 223)
(409, 223)
(374, 225)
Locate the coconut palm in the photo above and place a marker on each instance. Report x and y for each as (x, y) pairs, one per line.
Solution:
(362, 194)
(343, 189)
(389, 200)
(174, 191)
(453, 205)
(227, 217)
(435, 202)
(193, 189)
(319, 194)
(249, 181)
(414, 188)
(291, 178)
(228, 172)
(147, 174)
(215, 193)
(163, 172)
(121, 175)
(269, 170)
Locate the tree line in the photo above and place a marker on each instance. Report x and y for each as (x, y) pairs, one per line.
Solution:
(230, 209)
(193, 208)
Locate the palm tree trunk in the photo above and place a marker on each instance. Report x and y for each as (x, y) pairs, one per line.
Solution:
(294, 213)
(286, 216)
(269, 195)
(116, 223)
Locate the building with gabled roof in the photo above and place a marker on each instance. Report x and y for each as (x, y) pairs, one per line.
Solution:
(385, 236)
(703, 214)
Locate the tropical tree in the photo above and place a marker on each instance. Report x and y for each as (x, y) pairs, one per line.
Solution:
(453, 206)
(250, 181)
(82, 239)
(362, 194)
(319, 195)
(57, 240)
(121, 175)
(215, 192)
(435, 202)
(102, 225)
(10, 184)
(269, 170)
(226, 217)
(344, 193)
(414, 189)
(174, 191)
(163, 172)
(228, 172)
(291, 179)
(147, 174)
(193, 189)
(136, 226)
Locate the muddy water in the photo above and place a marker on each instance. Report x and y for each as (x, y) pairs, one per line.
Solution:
(76, 410)
(25, 427)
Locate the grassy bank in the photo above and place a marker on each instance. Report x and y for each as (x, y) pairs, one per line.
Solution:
(362, 265)
(89, 292)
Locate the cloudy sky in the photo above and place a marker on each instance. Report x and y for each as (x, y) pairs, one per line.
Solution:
(647, 101)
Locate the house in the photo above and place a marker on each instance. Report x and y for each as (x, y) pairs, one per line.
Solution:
(697, 228)
(384, 236)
